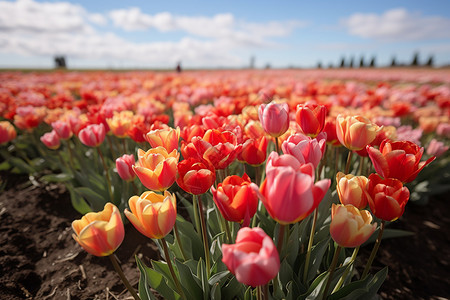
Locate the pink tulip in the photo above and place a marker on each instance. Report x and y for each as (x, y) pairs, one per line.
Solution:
(93, 135)
(124, 166)
(289, 192)
(253, 259)
(305, 149)
(63, 129)
(274, 118)
(436, 148)
(51, 140)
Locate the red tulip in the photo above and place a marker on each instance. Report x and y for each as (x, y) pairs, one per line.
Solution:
(311, 118)
(400, 160)
(7, 132)
(236, 200)
(195, 176)
(63, 129)
(254, 151)
(305, 149)
(387, 197)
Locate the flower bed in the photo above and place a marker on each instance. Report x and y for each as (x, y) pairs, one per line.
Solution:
(258, 150)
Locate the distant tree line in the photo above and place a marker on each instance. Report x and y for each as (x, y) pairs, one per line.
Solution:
(371, 63)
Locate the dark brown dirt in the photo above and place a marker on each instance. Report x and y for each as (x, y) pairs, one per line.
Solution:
(40, 260)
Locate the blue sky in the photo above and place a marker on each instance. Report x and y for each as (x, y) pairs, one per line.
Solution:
(207, 34)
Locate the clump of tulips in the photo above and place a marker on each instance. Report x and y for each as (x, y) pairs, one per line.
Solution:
(278, 196)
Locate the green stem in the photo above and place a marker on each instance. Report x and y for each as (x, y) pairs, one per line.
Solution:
(259, 293)
(258, 175)
(122, 277)
(228, 231)
(281, 238)
(332, 268)
(349, 160)
(336, 161)
(107, 174)
(177, 236)
(266, 291)
(196, 217)
(172, 272)
(205, 236)
(124, 146)
(277, 146)
(347, 269)
(374, 250)
(310, 243)
(361, 163)
(70, 154)
(113, 152)
(135, 189)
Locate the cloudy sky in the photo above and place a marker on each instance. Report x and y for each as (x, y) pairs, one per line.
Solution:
(206, 34)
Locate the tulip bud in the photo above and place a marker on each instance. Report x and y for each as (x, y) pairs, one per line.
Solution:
(63, 129)
(355, 132)
(7, 132)
(195, 176)
(305, 149)
(350, 189)
(51, 140)
(152, 214)
(124, 166)
(93, 135)
(236, 200)
(100, 233)
(350, 227)
(167, 138)
(274, 118)
(387, 197)
(156, 168)
(311, 118)
(253, 259)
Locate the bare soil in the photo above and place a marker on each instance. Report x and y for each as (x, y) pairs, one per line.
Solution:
(40, 260)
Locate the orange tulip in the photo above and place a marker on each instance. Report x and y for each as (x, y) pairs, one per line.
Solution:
(350, 227)
(156, 168)
(152, 214)
(100, 233)
(350, 189)
(120, 123)
(167, 138)
(355, 132)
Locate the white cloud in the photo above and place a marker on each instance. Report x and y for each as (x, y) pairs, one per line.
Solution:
(46, 29)
(398, 25)
(220, 26)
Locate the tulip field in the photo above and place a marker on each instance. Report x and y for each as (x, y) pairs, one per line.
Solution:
(225, 184)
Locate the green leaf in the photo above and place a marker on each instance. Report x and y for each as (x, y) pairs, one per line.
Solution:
(21, 165)
(96, 200)
(189, 283)
(317, 254)
(361, 289)
(192, 245)
(216, 278)
(5, 166)
(145, 292)
(201, 273)
(163, 269)
(62, 177)
(215, 292)
(248, 294)
(78, 202)
(156, 281)
(232, 289)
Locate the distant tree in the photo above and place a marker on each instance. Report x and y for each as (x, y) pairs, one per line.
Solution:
(342, 64)
(60, 62)
(252, 62)
(330, 66)
(268, 66)
(350, 64)
(361, 62)
(430, 61)
(393, 62)
(319, 65)
(415, 60)
(372, 62)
